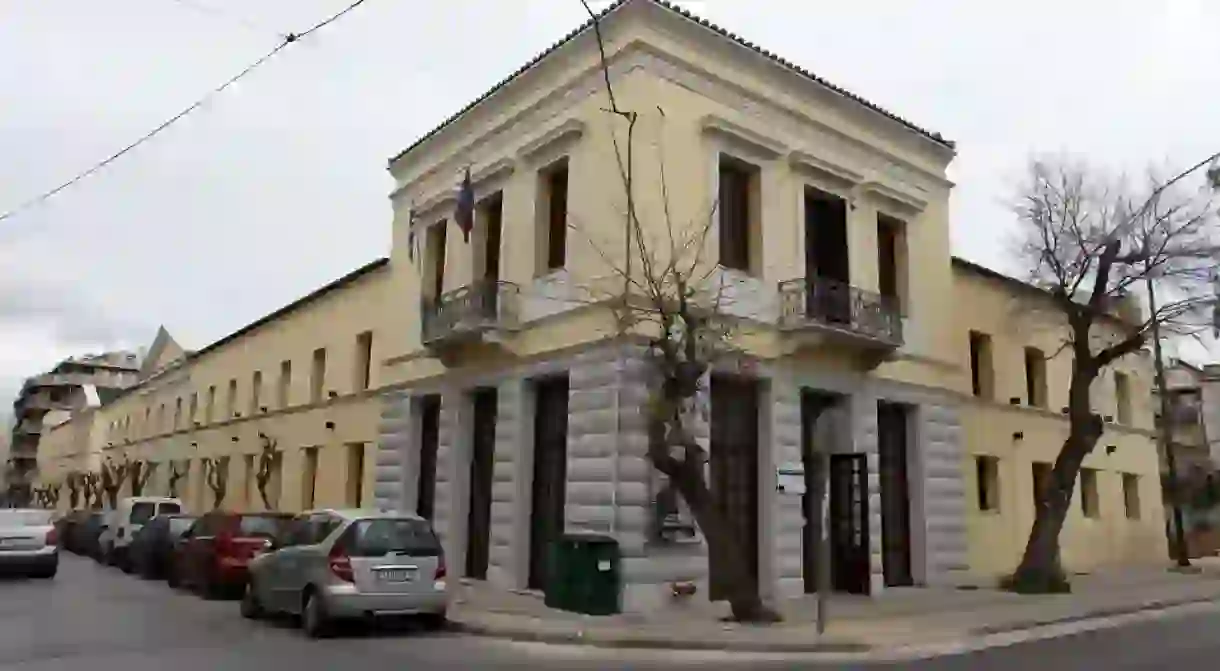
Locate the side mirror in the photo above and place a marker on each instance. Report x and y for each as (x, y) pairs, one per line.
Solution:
(266, 547)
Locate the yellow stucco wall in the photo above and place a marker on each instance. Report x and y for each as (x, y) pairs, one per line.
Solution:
(1015, 319)
(134, 426)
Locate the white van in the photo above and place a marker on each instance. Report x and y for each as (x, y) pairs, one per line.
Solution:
(123, 522)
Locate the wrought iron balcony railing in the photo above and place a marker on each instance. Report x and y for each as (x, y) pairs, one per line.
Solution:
(470, 311)
(823, 302)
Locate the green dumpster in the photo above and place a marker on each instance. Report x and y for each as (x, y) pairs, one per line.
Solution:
(584, 575)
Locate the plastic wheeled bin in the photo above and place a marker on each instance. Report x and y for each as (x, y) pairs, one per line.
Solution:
(585, 574)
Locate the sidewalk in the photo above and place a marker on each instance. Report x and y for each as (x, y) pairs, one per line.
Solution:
(899, 618)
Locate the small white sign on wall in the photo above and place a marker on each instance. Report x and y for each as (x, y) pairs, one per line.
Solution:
(790, 478)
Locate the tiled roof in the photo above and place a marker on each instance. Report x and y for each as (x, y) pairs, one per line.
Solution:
(936, 137)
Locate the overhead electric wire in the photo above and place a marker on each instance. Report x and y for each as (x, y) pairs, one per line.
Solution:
(286, 40)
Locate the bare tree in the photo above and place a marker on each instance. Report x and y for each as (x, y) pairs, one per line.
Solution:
(1094, 244)
(673, 300)
(268, 461)
(141, 472)
(216, 474)
(113, 475)
(94, 495)
(75, 486)
(175, 476)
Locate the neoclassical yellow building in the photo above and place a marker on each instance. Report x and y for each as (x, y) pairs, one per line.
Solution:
(478, 375)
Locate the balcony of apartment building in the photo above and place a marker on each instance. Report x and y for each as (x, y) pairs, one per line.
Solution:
(24, 446)
(43, 401)
(464, 304)
(849, 305)
(59, 380)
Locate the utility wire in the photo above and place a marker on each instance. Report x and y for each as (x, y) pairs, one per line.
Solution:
(288, 39)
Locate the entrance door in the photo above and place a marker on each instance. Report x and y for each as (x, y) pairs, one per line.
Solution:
(895, 493)
(429, 440)
(734, 468)
(849, 551)
(816, 446)
(550, 473)
(482, 464)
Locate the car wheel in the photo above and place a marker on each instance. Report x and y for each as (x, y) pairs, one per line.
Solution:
(434, 621)
(46, 573)
(314, 621)
(171, 577)
(251, 609)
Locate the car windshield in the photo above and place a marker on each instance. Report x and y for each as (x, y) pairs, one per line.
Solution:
(267, 526)
(373, 538)
(179, 525)
(142, 511)
(25, 518)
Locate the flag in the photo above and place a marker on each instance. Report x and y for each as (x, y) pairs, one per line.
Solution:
(464, 214)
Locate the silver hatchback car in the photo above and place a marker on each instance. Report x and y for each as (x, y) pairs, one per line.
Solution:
(29, 542)
(350, 564)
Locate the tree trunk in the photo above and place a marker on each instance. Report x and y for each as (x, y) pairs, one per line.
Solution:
(687, 475)
(1040, 570)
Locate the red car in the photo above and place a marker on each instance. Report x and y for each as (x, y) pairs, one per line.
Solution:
(213, 555)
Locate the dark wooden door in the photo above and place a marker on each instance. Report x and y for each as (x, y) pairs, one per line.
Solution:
(482, 465)
(734, 468)
(549, 483)
(429, 442)
(814, 405)
(895, 493)
(849, 547)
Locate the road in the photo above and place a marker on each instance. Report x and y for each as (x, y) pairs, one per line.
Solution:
(106, 621)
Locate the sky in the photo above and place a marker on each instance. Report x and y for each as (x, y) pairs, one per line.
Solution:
(279, 184)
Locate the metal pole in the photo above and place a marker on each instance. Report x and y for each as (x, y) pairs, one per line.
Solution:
(1178, 535)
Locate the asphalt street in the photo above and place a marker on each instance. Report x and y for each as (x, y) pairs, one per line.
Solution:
(98, 618)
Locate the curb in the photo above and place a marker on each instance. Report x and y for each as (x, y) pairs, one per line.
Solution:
(1115, 611)
(610, 640)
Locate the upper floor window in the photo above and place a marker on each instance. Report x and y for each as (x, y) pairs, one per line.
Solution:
(194, 409)
(317, 378)
(434, 260)
(1122, 397)
(552, 225)
(211, 404)
(256, 391)
(363, 364)
(892, 259)
(177, 413)
(738, 206)
(231, 400)
(982, 376)
(1035, 377)
(285, 384)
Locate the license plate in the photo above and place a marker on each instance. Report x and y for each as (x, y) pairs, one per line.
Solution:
(396, 575)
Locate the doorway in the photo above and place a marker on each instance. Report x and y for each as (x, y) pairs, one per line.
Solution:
(849, 533)
(892, 448)
(827, 269)
(429, 441)
(734, 469)
(817, 444)
(549, 484)
(482, 465)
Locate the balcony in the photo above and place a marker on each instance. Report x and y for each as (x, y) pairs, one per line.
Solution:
(818, 311)
(28, 427)
(475, 314)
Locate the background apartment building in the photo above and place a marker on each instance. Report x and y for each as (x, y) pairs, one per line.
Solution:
(49, 399)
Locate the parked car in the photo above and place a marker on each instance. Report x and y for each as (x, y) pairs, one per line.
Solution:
(149, 552)
(66, 527)
(213, 554)
(335, 565)
(29, 543)
(89, 532)
(126, 519)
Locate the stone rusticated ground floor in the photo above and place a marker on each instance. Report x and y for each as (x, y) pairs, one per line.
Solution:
(907, 512)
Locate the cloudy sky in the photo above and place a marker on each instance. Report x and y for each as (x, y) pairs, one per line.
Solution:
(279, 184)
